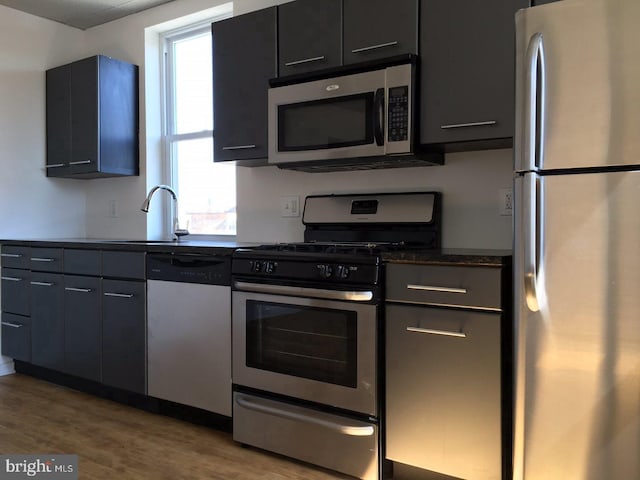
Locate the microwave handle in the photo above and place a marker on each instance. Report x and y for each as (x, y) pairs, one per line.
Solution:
(378, 116)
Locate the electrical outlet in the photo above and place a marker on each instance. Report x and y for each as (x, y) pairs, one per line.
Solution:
(290, 206)
(506, 201)
(113, 209)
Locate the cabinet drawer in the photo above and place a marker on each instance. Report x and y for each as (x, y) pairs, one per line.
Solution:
(46, 259)
(83, 262)
(16, 337)
(15, 257)
(444, 285)
(15, 291)
(123, 264)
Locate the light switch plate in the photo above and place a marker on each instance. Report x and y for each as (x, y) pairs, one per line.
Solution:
(290, 206)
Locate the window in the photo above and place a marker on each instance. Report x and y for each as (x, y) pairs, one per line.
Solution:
(206, 190)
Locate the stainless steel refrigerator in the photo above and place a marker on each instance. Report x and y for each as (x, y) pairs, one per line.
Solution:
(577, 241)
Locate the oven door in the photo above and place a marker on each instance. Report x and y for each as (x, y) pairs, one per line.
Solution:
(319, 350)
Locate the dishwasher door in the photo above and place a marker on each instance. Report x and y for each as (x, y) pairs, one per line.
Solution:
(189, 344)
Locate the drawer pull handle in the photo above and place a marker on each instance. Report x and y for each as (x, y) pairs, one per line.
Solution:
(430, 331)
(374, 47)
(43, 284)
(305, 60)
(11, 255)
(12, 325)
(12, 279)
(41, 259)
(239, 147)
(471, 124)
(431, 288)
(118, 295)
(54, 165)
(75, 289)
(80, 162)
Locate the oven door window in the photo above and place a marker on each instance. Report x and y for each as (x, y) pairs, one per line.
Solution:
(308, 342)
(328, 123)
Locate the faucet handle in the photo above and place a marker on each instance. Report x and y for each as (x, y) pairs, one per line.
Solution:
(180, 232)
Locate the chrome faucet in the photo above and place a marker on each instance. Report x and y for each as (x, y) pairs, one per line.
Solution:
(177, 231)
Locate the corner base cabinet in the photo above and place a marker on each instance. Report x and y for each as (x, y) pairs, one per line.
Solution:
(444, 371)
(92, 119)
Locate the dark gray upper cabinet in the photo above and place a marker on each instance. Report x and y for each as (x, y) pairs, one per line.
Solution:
(92, 119)
(309, 36)
(467, 72)
(244, 59)
(375, 29)
(542, 2)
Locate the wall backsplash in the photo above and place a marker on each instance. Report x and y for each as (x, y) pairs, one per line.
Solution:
(469, 182)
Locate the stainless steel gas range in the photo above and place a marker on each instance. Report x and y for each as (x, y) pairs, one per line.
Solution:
(307, 329)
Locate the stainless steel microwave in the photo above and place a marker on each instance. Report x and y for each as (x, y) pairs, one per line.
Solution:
(356, 120)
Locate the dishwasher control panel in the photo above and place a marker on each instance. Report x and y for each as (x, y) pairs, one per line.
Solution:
(189, 268)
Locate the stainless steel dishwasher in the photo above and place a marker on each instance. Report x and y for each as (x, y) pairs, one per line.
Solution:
(189, 329)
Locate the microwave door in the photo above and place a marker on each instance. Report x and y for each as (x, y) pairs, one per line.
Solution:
(328, 119)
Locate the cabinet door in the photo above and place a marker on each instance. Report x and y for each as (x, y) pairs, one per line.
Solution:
(16, 337)
(244, 59)
(467, 70)
(443, 391)
(15, 291)
(375, 29)
(58, 89)
(47, 320)
(83, 326)
(124, 334)
(84, 116)
(309, 36)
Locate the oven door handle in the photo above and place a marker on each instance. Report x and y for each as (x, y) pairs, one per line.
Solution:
(351, 430)
(354, 296)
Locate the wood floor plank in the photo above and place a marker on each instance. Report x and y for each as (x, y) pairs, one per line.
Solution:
(115, 441)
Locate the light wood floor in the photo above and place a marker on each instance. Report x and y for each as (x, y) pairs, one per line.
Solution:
(114, 441)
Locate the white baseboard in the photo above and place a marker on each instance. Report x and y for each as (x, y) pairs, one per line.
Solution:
(6, 366)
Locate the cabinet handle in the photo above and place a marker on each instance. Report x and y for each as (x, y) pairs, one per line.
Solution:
(374, 47)
(39, 259)
(305, 60)
(54, 165)
(43, 284)
(471, 124)
(119, 295)
(80, 162)
(12, 325)
(239, 147)
(431, 288)
(11, 279)
(11, 255)
(75, 289)
(430, 331)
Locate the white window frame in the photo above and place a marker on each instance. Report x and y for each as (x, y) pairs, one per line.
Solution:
(169, 170)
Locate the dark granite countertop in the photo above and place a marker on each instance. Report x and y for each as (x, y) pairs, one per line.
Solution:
(451, 256)
(192, 246)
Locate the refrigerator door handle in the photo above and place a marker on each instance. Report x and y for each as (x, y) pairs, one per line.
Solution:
(535, 97)
(531, 236)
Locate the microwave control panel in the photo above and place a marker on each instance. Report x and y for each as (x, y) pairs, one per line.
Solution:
(398, 114)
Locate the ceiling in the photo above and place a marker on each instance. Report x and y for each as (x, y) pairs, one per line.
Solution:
(82, 14)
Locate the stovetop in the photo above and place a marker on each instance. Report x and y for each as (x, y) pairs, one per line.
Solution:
(340, 248)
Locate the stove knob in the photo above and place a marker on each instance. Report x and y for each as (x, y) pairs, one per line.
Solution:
(269, 267)
(325, 271)
(257, 266)
(343, 271)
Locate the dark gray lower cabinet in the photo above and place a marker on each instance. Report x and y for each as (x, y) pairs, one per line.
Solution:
(124, 352)
(83, 326)
(47, 320)
(15, 291)
(16, 336)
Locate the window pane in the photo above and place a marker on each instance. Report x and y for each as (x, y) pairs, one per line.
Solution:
(193, 91)
(207, 190)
